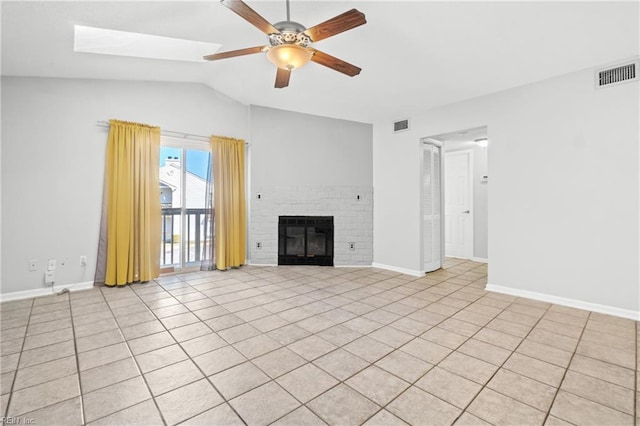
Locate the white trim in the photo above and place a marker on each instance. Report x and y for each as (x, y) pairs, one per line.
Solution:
(49, 291)
(352, 266)
(398, 269)
(572, 303)
(480, 259)
(335, 266)
(261, 264)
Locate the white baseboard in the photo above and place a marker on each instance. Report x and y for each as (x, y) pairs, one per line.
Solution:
(572, 303)
(48, 291)
(398, 269)
(261, 264)
(335, 266)
(480, 259)
(352, 266)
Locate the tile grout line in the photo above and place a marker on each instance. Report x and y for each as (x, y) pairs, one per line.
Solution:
(413, 383)
(484, 386)
(635, 376)
(15, 376)
(52, 360)
(311, 289)
(463, 410)
(77, 357)
(564, 374)
(383, 407)
(125, 340)
(470, 303)
(302, 404)
(225, 401)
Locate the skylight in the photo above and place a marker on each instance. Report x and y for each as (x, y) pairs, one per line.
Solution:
(122, 43)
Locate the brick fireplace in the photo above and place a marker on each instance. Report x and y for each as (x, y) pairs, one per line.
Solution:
(351, 208)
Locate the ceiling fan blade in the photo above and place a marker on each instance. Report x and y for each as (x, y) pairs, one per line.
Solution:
(233, 53)
(346, 21)
(334, 63)
(250, 15)
(282, 78)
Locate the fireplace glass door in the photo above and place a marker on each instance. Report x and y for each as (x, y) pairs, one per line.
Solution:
(305, 240)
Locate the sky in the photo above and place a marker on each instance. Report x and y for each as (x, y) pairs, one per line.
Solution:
(197, 161)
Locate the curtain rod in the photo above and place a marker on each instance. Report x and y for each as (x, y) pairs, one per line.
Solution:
(169, 133)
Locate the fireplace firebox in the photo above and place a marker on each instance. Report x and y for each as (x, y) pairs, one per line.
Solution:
(305, 240)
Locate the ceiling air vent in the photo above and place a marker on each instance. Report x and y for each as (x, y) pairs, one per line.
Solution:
(400, 126)
(618, 74)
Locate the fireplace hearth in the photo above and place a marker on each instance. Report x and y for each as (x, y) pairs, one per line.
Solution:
(305, 240)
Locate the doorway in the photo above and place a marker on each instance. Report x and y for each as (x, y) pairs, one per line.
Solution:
(464, 201)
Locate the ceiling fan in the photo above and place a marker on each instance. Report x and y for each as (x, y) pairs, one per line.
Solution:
(289, 42)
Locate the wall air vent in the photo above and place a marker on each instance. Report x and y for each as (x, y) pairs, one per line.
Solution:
(617, 74)
(400, 126)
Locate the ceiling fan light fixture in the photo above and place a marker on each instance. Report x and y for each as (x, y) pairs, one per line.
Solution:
(289, 56)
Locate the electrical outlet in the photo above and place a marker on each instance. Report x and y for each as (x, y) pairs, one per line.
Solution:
(259, 196)
(33, 265)
(51, 265)
(258, 245)
(352, 246)
(83, 260)
(49, 277)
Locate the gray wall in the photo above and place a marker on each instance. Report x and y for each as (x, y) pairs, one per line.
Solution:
(313, 166)
(53, 156)
(289, 147)
(480, 193)
(564, 206)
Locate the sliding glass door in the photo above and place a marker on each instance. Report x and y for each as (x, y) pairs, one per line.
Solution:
(184, 187)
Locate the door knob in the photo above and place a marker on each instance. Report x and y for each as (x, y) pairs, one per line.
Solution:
(466, 211)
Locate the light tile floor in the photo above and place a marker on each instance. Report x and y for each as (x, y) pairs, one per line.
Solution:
(314, 345)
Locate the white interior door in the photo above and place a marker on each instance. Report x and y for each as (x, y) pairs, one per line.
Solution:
(458, 200)
(432, 206)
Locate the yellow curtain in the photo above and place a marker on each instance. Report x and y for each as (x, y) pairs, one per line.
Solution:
(229, 201)
(133, 203)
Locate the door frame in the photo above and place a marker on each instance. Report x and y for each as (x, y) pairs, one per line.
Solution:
(470, 168)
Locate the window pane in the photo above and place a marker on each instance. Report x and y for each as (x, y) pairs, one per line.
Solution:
(196, 178)
(170, 177)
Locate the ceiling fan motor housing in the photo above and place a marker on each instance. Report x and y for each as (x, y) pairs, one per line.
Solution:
(290, 33)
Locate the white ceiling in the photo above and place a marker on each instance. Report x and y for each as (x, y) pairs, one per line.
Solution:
(417, 54)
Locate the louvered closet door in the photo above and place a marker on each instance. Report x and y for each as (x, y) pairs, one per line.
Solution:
(431, 206)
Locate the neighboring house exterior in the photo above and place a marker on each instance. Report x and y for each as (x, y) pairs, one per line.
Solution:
(170, 176)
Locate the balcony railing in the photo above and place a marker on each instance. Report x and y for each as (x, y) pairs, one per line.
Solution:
(198, 225)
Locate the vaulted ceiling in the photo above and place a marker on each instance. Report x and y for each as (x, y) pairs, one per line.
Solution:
(414, 55)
